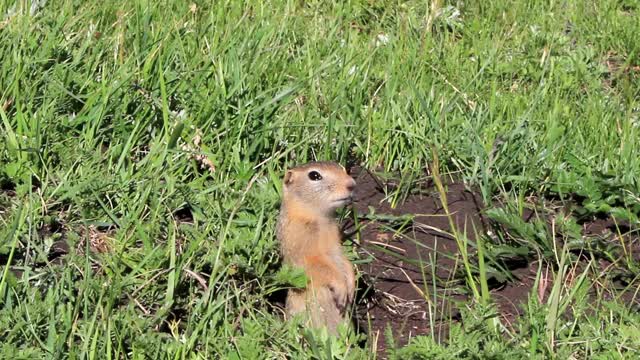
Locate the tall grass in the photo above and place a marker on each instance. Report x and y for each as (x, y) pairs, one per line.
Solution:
(150, 136)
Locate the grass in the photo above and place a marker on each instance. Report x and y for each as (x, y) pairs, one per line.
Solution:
(150, 138)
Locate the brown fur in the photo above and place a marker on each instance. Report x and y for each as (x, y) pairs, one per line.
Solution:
(310, 239)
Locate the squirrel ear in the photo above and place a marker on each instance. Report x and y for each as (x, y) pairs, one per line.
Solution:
(287, 177)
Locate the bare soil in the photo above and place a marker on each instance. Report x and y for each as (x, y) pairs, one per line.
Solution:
(407, 265)
(412, 276)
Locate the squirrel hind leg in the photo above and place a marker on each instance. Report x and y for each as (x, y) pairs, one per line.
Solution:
(323, 311)
(295, 303)
(318, 306)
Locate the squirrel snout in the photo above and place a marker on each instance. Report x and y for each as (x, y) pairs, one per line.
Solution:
(351, 185)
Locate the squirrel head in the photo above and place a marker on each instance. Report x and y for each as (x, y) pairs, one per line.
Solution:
(321, 187)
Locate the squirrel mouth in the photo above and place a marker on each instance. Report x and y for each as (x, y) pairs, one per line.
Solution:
(344, 200)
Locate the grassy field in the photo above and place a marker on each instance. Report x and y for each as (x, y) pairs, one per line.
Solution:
(143, 143)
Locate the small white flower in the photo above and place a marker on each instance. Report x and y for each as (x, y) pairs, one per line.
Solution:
(91, 30)
(36, 6)
(262, 181)
(10, 12)
(181, 115)
(382, 39)
(353, 70)
(535, 29)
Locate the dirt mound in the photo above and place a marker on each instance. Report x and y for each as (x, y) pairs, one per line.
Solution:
(409, 259)
(412, 271)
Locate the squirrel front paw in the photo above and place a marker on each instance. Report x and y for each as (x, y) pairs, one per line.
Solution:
(341, 294)
(351, 289)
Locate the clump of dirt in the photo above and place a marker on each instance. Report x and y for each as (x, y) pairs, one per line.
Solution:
(618, 69)
(51, 233)
(7, 192)
(100, 239)
(412, 275)
(412, 259)
(59, 248)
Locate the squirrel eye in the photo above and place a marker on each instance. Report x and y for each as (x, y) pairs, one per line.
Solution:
(315, 176)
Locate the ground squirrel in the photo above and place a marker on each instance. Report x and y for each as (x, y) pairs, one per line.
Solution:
(310, 239)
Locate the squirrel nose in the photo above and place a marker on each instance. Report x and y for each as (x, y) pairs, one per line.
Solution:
(351, 185)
